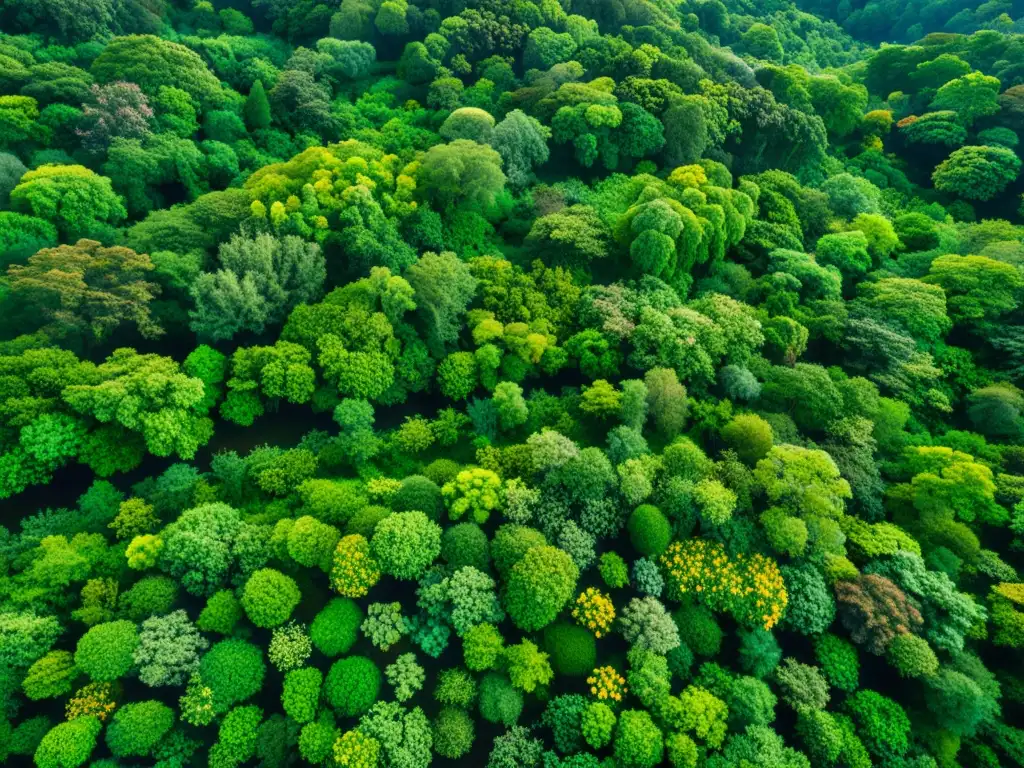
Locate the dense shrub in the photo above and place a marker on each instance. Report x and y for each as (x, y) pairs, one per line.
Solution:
(336, 627)
(352, 685)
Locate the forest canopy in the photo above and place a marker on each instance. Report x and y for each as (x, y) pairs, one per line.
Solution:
(511, 383)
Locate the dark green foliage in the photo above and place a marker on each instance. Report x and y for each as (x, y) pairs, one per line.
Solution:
(499, 701)
(649, 530)
(336, 628)
(493, 292)
(233, 669)
(572, 649)
(352, 685)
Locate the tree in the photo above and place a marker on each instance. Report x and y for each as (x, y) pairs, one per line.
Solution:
(750, 436)
(269, 597)
(300, 103)
(261, 279)
(970, 96)
(638, 741)
(301, 693)
(78, 202)
(118, 110)
(468, 123)
(443, 288)
(881, 723)
(257, 108)
(68, 745)
(197, 547)
(405, 544)
(137, 727)
(646, 624)
(169, 649)
(50, 676)
(802, 685)
(666, 399)
(352, 685)
(522, 142)
(106, 652)
(233, 670)
(453, 733)
(527, 666)
(649, 530)
(539, 586)
(405, 676)
(461, 171)
(573, 236)
(88, 288)
(151, 63)
(875, 611)
(762, 42)
(977, 173)
(336, 627)
(978, 289)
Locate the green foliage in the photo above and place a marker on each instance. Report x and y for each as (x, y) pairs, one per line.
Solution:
(453, 733)
(352, 685)
(335, 629)
(638, 741)
(68, 745)
(405, 544)
(572, 649)
(105, 652)
(649, 530)
(539, 586)
(233, 670)
(135, 729)
(269, 597)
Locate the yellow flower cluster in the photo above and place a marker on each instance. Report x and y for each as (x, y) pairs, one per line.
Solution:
(607, 684)
(750, 588)
(94, 700)
(354, 570)
(595, 611)
(355, 749)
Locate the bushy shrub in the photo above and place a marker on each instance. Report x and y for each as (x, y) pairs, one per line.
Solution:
(106, 651)
(302, 693)
(698, 629)
(839, 662)
(597, 724)
(419, 493)
(482, 647)
(511, 542)
(336, 627)
(466, 544)
(405, 544)
(352, 685)
(270, 597)
(234, 670)
(539, 586)
(638, 741)
(455, 687)
(500, 702)
(68, 745)
(649, 530)
(454, 732)
(290, 646)
(137, 727)
(572, 649)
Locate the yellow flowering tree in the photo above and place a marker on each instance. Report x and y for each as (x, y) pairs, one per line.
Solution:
(607, 684)
(354, 570)
(594, 610)
(750, 588)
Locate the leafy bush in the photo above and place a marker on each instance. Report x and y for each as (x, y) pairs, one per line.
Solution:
(352, 685)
